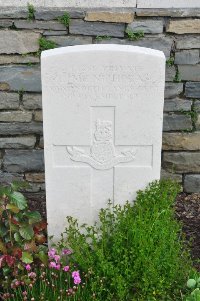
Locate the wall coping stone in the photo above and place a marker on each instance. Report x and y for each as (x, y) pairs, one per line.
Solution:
(153, 4)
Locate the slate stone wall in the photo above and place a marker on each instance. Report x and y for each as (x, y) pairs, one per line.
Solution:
(174, 31)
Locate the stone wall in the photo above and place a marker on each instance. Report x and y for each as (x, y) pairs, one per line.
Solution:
(174, 31)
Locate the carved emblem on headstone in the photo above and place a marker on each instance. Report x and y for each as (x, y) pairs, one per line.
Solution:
(102, 152)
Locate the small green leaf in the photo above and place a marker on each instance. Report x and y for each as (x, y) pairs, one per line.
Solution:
(27, 257)
(191, 283)
(17, 237)
(34, 217)
(18, 199)
(26, 232)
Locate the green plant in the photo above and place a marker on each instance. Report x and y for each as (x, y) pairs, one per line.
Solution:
(134, 35)
(193, 284)
(101, 38)
(46, 44)
(64, 19)
(170, 62)
(177, 77)
(31, 12)
(136, 250)
(21, 231)
(57, 280)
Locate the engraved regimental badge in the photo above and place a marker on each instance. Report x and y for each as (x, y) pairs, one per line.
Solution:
(102, 152)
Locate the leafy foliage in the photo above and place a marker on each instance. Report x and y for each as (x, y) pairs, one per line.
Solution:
(134, 35)
(170, 62)
(135, 251)
(19, 229)
(101, 38)
(46, 45)
(31, 12)
(193, 285)
(65, 19)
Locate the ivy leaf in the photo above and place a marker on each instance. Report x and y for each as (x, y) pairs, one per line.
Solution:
(13, 208)
(27, 257)
(18, 199)
(26, 232)
(34, 217)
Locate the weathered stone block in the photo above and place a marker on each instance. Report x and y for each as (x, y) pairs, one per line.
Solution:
(181, 162)
(8, 178)
(96, 28)
(35, 177)
(20, 78)
(197, 105)
(6, 23)
(147, 26)
(15, 116)
(20, 128)
(192, 89)
(181, 141)
(187, 57)
(50, 25)
(170, 73)
(70, 40)
(161, 43)
(192, 183)
(13, 41)
(53, 14)
(41, 144)
(188, 42)
(184, 26)
(32, 101)
(18, 59)
(17, 142)
(54, 33)
(34, 187)
(177, 104)
(38, 116)
(13, 13)
(197, 122)
(9, 101)
(175, 122)
(172, 90)
(23, 160)
(189, 72)
(170, 12)
(109, 16)
(167, 175)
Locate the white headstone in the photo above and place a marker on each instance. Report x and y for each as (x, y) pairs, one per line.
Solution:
(103, 113)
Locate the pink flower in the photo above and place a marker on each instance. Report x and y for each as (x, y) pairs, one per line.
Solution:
(77, 280)
(52, 264)
(57, 267)
(76, 277)
(57, 258)
(66, 252)
(52, 253)
(75, 274)
(28, 267)
(66, 268)
(32, 275)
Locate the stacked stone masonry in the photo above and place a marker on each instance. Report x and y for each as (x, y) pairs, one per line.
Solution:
(174, 31)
